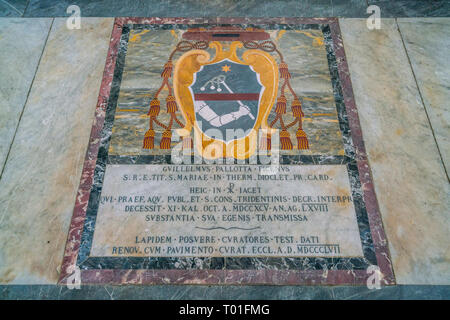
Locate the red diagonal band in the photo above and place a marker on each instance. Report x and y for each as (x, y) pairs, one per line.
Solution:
(226, 96)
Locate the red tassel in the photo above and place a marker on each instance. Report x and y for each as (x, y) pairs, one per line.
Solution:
(154, 108)
(167, 72)
(171, 104)
(302, 140)
(281, 105)
(149, 139)
(284, 71)
(285, 140)
(297, 108)
(166, 140)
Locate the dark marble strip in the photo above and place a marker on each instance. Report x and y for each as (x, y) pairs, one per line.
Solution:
(200, 8)
(247, 8)
(12, 8)
(265, 26)
(173, 292)
(157, 263)
(338, 96)
(412, 8)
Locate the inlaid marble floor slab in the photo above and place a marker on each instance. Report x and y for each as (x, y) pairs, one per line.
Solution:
(308, 216)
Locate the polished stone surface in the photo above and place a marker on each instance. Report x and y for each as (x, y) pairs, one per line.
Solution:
(21, 43)
(12, 8)
(232, 8)
(121, 204)
(202, 8)
(199, 292)
(39, 183)
(412, 8)
(122, 223)
(265, 8)
(305, 52)
(428, 43)
(34, 222)
(410, 182)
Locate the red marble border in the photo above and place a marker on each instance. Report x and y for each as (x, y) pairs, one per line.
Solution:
(365, 176)
(87, 175)
(276, 277)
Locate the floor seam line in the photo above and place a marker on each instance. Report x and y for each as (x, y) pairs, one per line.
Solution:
(26, 100)
(26, 7)
(421, 98)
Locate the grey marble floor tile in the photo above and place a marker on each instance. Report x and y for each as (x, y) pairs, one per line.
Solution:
(21, 44)
(42, 174)
(427, 41)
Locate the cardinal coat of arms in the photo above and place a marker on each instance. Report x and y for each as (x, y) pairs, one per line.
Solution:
(226, 98)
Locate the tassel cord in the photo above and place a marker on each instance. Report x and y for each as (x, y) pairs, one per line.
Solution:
(292, 123)
(283, 127)
(181, 124)
(162, 125)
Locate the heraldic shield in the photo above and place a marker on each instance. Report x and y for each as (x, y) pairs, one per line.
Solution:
(226, 100)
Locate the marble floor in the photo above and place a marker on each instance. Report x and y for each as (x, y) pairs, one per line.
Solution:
(225, 8)
(50, 78)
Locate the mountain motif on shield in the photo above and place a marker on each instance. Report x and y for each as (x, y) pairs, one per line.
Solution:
(225, 100)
